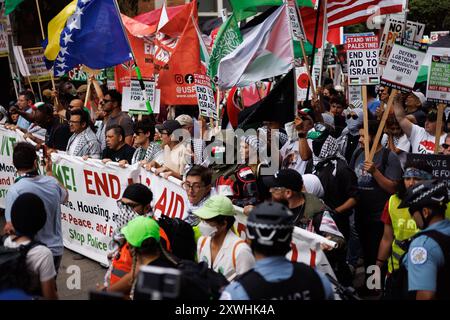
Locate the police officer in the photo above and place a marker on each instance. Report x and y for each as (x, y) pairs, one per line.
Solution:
(269, 227)
(428, 259)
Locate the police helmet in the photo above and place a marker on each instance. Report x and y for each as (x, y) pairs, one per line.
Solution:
(270, 224)
(424, 194)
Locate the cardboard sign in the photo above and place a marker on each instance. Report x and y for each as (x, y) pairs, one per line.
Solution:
(302, 84)
(133, 100)
(402, 68)
(439, 163)
(362, 57)
(414, 31)
(205, 96)
(35, 61)
(342, 58)
(298, 33)
(3, 41)
(355, 96)
(436, 35)
(438, 89)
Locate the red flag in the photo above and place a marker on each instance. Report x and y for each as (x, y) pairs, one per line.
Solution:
(177, 56)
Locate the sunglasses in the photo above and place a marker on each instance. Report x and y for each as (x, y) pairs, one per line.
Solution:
(445, 146)
(353, 116)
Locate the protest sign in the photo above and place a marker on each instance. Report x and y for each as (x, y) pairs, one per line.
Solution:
(133, 100)
(436, 35)
(7, 170)
(302, 83)
(355, 96)
(439, 163)
(362, 57)
(76, 74)
(3, 41)
(438, 88)
(205, 96)
(414, 31)
(35, 61)
(402, 68)
(298, 33)
(342, 57)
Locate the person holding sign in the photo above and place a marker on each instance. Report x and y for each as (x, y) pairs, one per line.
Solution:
(422, 139)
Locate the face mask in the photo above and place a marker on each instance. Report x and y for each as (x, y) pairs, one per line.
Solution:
(206, 229)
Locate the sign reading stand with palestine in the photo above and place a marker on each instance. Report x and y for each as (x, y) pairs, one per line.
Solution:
(205, 96)
(438, 89)
(362, 57)
(133, 100)
(403, 66)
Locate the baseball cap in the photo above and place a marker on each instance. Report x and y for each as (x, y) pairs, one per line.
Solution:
(185, 120)
(420, 96)
(285, 178)
(139, 229)
(169, 125)
(138, 193)
(216, 205)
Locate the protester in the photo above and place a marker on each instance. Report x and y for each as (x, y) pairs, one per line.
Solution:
(147, 149)
(377, 180)
(219, 246)
(47, 188)
(414, 101)
(269, 228)
(198, 145)
(83, 141)
(198, 186)
(337, 106)
(112, 106)
(422, 139)
(25, 104)
(426, 258)
(446, 145)
(117, 149)
(349, 139)
(176, 155)
(28, 217)
(58, 132)
(395, 139)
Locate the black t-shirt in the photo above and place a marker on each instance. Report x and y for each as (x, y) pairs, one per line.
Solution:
(58, 134)
(124, 153)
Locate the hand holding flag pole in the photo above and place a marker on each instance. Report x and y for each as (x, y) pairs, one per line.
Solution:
(136, 67)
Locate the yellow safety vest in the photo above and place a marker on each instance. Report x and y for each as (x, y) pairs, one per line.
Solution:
(404, 228)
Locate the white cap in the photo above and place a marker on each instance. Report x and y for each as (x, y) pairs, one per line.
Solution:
(185, 120)
(420, 96)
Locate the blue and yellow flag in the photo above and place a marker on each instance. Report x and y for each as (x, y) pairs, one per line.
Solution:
(86, 32)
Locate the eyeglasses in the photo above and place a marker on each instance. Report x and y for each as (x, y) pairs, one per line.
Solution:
(353, 116)
(105, 101)
(195, 186)
(445, 146)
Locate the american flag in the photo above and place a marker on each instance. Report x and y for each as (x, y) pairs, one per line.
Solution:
(347, 12)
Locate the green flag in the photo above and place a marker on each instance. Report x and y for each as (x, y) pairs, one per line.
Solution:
(10, 5)
(247, 8)
(228, 38)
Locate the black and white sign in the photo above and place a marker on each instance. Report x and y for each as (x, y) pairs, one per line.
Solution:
(133, 99)
(362, 57)
(205, 96)
(439, 163)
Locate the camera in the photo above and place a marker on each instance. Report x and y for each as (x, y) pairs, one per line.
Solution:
(157, 283)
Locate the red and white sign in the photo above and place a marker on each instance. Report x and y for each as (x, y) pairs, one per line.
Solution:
(362, 57)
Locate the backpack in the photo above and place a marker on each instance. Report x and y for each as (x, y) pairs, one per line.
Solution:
(14, 273)
(397, 283)
(198, 282)
(181, 237)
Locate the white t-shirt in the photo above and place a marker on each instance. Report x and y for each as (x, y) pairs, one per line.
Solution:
(39, 260)
(423, 142)
(401, 143)
(290, 155)
(223, 264)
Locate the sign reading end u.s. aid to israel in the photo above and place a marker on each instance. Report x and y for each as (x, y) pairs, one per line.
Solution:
(362, 58)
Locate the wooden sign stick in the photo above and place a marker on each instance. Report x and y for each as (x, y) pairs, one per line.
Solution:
(437, 137)
(365, 124)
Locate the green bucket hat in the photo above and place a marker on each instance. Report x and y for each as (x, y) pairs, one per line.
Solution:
(140, 229)
(215, 206)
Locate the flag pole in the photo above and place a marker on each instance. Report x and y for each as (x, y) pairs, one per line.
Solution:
(136, 67)
(314, 43)
(285, 3)
(324, 40)
(305, 57)
(43, 38)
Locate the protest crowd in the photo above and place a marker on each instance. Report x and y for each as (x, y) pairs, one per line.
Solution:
(261, 146)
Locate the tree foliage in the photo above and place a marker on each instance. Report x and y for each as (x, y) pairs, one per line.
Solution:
(435, 14)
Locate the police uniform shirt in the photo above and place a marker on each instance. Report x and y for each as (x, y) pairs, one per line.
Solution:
(272, 269)
(424, 259)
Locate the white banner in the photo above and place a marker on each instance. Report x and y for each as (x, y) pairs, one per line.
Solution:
(298, 33)
(21, 62)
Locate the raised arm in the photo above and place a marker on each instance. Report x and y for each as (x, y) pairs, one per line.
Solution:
(399, 111)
